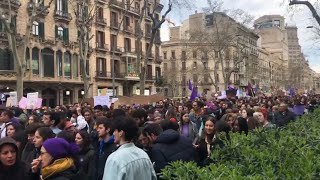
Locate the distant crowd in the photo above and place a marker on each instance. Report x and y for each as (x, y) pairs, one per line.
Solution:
(132, 142)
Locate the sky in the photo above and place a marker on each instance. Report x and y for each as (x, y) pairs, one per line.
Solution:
(300, 16)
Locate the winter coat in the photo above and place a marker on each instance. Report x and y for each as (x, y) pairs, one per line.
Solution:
(193, 131)
(283, 118)
(29, 153)
(202, 151)
(104, 149)
(170, 146)
(69, 174)
(86, 161)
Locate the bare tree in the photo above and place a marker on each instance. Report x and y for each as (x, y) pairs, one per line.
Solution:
(309, 5)
(85, 13)
(222, 39)
(18, 43)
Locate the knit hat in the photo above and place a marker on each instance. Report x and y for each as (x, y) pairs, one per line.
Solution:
(59, 148)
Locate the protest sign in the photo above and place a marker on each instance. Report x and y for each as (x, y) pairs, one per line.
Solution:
(101, 100)
(23, 103)
(32, 100)
(13, 99)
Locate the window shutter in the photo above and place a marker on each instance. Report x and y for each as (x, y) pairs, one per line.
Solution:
(56, 30)
(66, 35)
(41, 30)
(65, 6)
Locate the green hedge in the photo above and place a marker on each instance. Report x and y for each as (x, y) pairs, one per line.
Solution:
(289, 153)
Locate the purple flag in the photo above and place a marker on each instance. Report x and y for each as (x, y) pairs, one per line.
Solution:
(190, 85)
(194, 94)
(292, 92)
(298, 110)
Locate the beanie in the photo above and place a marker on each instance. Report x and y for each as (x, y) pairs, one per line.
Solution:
(59, 148)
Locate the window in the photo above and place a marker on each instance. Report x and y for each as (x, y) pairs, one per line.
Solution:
(216, 54)
(131, 66)
(127, 44)
(59, 63)
(173, 54)
(100, 39)
(113, 42)
(35, 28)
(277, 23)
(164, 55)
(184, 67)
(100, 13)
(194, 54)
(6, 60)
(149, 72)
(195, 78)
(61, 7)
(101, 67)
(217, 78)
(173, 65)
(195, 65)
(147, 46)
(38, 29)
(62, 34)
(183, 55)
(35, 61)
(67, 64)
(126, 23)
(75, 65)
(114, 19)
(48, 62)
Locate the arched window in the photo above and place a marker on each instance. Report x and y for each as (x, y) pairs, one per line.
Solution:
(6, 60)
(67, 64)
(59, 63)
(35, 28)
(48, 62)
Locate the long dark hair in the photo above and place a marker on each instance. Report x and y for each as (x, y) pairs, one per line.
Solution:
(213, 120)
(86, 140)
(46, 133)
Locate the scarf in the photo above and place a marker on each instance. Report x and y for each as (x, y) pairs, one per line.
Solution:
(56, 167)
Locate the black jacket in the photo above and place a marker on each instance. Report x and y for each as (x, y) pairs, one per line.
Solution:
(102, 153)
(86, 159)
(29, 153)
(69, 174)
(202, 151)
(283, 118)
(170, 146)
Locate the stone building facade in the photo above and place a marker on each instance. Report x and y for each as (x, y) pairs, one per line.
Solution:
(53, 64)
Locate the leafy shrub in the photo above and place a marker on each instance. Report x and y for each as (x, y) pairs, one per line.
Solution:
(292, 152)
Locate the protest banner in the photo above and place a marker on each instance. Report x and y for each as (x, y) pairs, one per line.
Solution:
(23, 103)
(101, 100)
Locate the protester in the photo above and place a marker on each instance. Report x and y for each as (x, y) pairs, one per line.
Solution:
(86, 155)
(52, 119)
(13, 128)
(56, 160)
(170, 146)
(6, 117)
(284, 116)
(188, 128)
(11, 168)
(128, 161)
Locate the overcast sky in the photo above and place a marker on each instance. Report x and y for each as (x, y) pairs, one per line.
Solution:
(301, 17)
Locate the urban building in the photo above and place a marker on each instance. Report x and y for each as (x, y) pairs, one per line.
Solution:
(188, 57)
(53, 64)
(273, 38)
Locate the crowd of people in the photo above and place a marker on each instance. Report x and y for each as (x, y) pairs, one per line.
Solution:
(131, 141)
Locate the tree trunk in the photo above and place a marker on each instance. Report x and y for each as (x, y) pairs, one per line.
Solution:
(19, 85)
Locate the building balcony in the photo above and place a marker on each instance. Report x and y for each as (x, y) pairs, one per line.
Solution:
(117, 50)
(114, 25)
(116, 4)
(128, 29)
(134, 10)
(15, 4)
(101, 1)
(132, 76)
(101, 21)
(41, 11)
(149, 77)
(62, 16)
(102, 47)
(101, 74)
